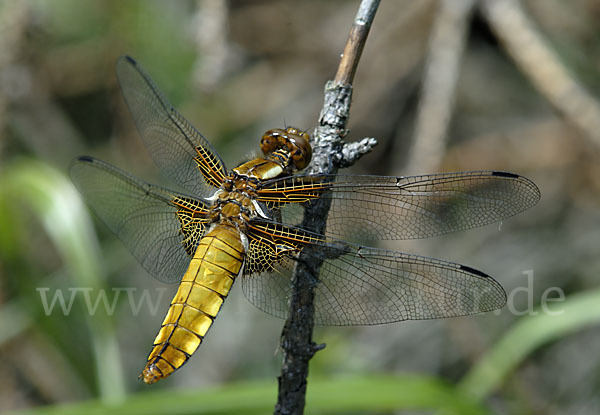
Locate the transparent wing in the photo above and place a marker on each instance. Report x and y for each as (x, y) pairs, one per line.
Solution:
(161, 228)
(266, 280)
(373, 286)
(360, 285)
(176, 147)
(379, 207)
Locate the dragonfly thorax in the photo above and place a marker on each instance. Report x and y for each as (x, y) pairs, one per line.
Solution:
(235, 202)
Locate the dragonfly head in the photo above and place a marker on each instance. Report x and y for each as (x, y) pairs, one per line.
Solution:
(296, 142)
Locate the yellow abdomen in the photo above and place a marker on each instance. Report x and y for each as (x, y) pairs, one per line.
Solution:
(207, 281)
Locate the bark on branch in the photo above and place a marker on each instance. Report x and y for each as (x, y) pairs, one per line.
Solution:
(329, 154)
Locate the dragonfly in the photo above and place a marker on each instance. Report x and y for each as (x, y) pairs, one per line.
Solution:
(245, 223)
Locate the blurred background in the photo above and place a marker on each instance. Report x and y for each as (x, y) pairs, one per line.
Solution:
(443, 85)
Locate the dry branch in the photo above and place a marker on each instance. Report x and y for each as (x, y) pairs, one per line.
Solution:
(537, 60)
(329, 154)
(446, 47)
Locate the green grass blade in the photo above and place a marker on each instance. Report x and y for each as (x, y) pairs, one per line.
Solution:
(13, 321)
(366, 394)
(53, 198)
(529, 333)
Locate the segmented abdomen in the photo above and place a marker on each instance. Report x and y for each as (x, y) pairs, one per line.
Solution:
(207, 281)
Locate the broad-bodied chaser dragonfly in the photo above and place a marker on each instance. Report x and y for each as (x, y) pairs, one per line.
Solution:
(244, 224)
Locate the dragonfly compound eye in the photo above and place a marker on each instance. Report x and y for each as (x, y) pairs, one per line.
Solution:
(270, 140)
(299, 146)
(291, 139)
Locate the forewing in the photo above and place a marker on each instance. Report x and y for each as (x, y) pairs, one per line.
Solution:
(379, 207)
(160, 227)
(361, 286)
(176, 147)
